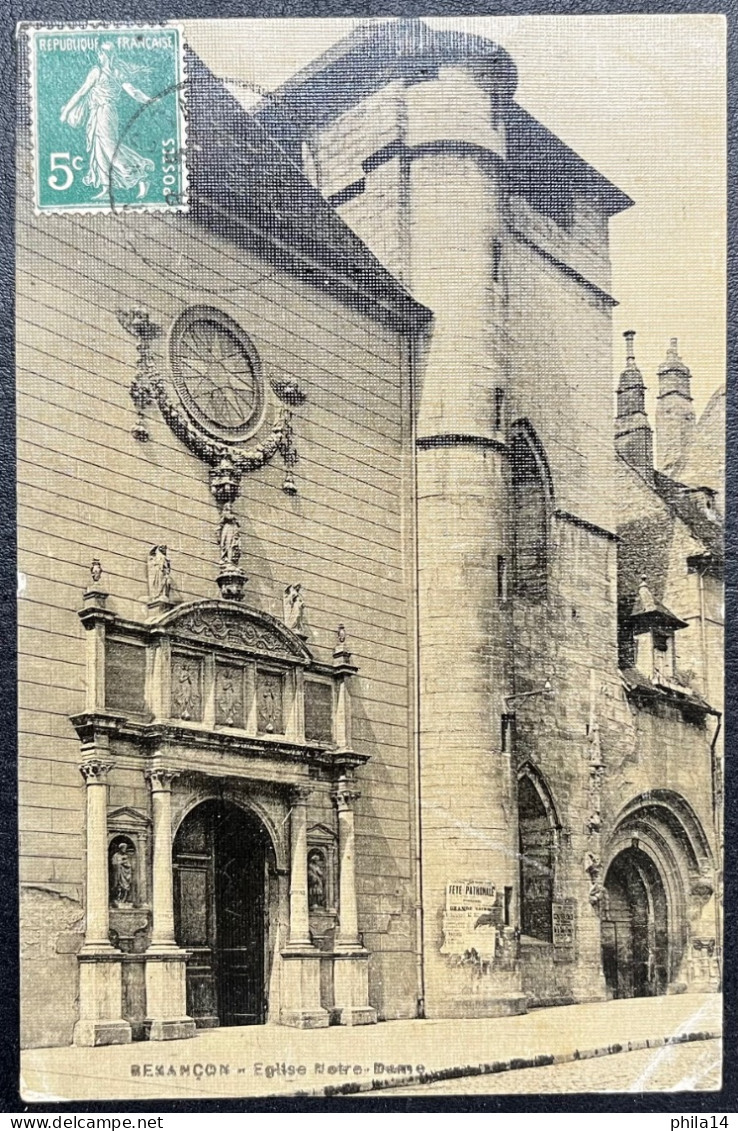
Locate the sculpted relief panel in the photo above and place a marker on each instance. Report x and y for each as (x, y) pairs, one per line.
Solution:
(229, 709)
(186, 688)
(233, 631)
(270, 702)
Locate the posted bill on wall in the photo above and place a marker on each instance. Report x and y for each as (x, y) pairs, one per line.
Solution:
(371, 400)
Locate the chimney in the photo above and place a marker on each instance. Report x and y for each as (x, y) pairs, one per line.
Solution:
(675, 419)
(633, 435)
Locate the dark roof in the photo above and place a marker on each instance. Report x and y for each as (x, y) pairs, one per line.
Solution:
(681, 694)
(536, 155)
(685, 502)
(375, 54)
(644, 549)
(647, 612)
(645, 542)
(244, 186)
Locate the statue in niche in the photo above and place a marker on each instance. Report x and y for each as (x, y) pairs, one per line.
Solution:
(121, 875)
(229, 537)
(317, 898)
(96, 570)
(294, 609)
(159, 573)
(228, 696)
(186, 692)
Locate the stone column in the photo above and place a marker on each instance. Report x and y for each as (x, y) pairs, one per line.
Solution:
(350, 959)
(100, 974)
(166, 983)
(95, 772)
(348, 918)
(299, 914)
(300, 998)
(162, 887)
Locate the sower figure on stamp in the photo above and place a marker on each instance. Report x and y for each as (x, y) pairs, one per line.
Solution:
(111, 160)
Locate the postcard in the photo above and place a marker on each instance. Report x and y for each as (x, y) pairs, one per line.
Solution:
(371, 409)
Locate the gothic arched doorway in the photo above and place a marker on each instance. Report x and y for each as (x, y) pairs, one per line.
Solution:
(536, 862)
(220, 859)
(635, 934)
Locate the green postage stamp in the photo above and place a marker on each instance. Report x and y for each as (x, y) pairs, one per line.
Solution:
(108, 118)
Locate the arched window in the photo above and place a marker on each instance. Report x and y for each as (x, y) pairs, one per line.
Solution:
(531, 501)
(536, 862)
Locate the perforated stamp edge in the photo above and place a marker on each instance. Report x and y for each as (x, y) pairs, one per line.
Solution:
(33, 31)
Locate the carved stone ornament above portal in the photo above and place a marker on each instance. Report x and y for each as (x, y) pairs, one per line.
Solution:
(209, 676)
(217, 397)
(229, 695)
(239, 628)
(215, 401)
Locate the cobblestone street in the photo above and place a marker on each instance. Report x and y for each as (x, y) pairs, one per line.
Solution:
(276, 1060)
(691, 1067)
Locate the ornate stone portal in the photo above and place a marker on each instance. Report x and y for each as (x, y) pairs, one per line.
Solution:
(214, 692)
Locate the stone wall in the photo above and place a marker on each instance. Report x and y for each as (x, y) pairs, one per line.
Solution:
(570, 640)
(560, 359)
(87, 489)
(52, 932)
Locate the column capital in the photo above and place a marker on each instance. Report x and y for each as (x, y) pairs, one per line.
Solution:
(160, 778)
(95, 770)
(299, 794)
(344, 795)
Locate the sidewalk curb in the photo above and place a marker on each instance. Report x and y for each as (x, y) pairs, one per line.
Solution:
(494, 1067)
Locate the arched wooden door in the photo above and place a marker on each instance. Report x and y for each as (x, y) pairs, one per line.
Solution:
(635, 936)
(220, 905)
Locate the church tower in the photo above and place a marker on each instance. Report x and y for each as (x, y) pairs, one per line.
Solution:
(675, 419)
(456, 137)
(490, 221)
(412, 155)
(633, 434)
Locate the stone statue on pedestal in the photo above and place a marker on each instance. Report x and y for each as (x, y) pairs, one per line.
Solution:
(294, 609)
(229, 537)
(159, 574)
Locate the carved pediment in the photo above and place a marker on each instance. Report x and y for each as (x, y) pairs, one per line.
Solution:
(320, 835)
(126, 817)
(235, 627)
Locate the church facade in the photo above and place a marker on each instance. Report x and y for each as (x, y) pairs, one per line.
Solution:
(369, 668)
